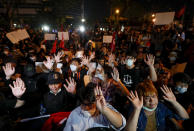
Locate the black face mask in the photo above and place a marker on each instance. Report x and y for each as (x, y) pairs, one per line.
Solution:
(29, 71)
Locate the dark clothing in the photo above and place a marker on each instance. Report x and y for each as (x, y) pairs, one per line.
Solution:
(131, 77)
(7, 104)
(63, 101)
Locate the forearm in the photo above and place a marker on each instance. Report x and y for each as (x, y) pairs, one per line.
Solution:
(180, 110)
(19, 103)
(115, 118)
(132, 121)
(153, 74)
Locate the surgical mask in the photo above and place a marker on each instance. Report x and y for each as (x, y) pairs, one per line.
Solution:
(172, 58)
(73, 68)
(33, 58)
(148, 109)
(129, 62)
(100, 76)
(181, 89)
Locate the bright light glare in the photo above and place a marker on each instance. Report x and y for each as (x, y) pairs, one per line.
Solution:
(153, 15)
(153, 20)
(82, 28)
(15, 25)
(83, 20)
(117, 11)
(45, 28)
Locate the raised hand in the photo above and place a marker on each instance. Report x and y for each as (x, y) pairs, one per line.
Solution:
(111, 59)
(48, 63)
(18, 88)
(100, 100)
(71, 86)
(85, 61)
(115, 74)
(168, 94)
(9, 70)
(58, 57)
(92, 56)
(150, 60)
(137, 103)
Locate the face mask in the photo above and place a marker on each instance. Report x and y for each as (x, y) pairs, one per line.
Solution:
(73, 68)
(148, 109)
(172, 58)
(181, 89)
(129, 62)
(33, 58)
(100, 76)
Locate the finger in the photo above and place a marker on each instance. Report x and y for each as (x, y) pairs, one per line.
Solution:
(132, 94)
(136, 95)
(23, 90)
(166, 88)
(4, 68)
(166, 98)
(112, 75)
(162, 90)
(142, 99)
(100, 91)
(129, 98)
(95, 91)
(67, 81)
(11, 86)
(65, 86)
(70, 80)
(14, 83)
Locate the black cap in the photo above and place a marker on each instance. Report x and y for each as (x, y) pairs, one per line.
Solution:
(54, 78)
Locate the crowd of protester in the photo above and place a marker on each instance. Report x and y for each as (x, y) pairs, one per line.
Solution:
(145, 82)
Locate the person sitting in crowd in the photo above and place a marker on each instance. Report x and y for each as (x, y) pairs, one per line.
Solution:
(130, 76)
(148, 112)
(94, 112)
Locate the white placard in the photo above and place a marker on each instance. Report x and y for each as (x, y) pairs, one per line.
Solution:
(164, 18)
(16, 36)
(49, 36)
(12, 38)
(23, 34)
(107, 39)
(64, 35)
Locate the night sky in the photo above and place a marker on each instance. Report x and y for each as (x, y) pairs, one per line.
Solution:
(96, 10)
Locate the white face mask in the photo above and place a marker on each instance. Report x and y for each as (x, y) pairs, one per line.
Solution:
(129, 62)
(73, 68)
(181, 89)
(173, 58)
(100, 76)
(148, 109)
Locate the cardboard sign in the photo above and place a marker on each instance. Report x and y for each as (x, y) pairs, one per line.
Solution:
(16, 36)
(107, 39)
(12, 38)
(164, 18)
(63, 36)
(49, 36)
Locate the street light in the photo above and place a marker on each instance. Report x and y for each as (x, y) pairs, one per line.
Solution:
(154, 20)
(117, 11)
(83, 20)
(82, 28)
(45, 28)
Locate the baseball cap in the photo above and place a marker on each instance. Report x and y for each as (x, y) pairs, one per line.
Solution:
(54, 78)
